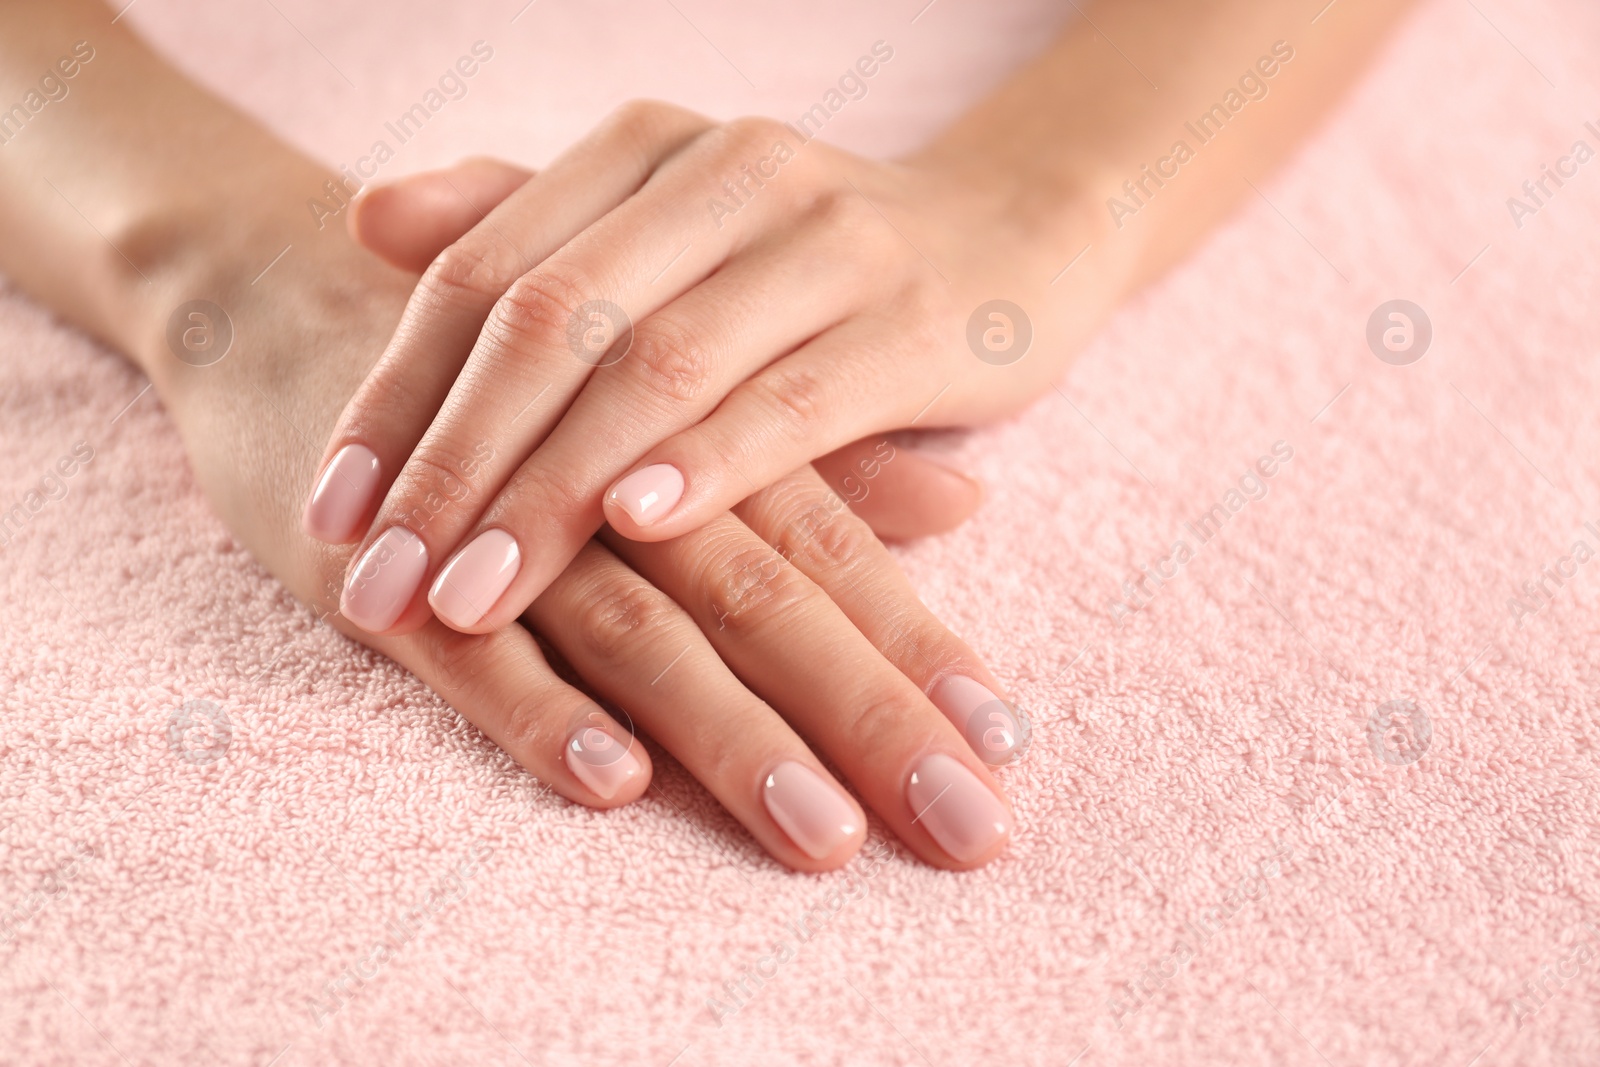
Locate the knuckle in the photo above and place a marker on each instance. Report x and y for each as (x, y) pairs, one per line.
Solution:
(541, 491)
(670, 359)
(644, 126)
(877, 723)
(844, 211)
(622, 613)
(756, 589)
(474, 270)
(429, 485)
(457, 657)
(529, 726)
(796, 394)
(539, 305)
(752, 133)
(831, 538)
(642, 117)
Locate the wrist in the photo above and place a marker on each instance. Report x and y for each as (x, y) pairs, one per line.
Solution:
(211, 266)
(1027, 222)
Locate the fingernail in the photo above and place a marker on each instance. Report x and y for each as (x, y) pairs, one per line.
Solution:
(649, 493)
(385, 581)
(342, 495)
(474, 578)
(997, 731)
(945, 463)
(961, 813)
(814, 814)
(600, 761)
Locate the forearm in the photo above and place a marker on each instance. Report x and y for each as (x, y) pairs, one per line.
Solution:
(137, 190)
(1090, 130)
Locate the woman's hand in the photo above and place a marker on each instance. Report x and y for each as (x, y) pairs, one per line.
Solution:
(673, 315)
(711, 643)
(411, 221)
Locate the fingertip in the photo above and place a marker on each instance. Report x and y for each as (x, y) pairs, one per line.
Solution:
(909, 496)
(638, 504)
(607, 761)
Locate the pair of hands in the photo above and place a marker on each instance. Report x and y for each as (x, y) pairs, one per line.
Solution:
(518, 409)
(711, 641)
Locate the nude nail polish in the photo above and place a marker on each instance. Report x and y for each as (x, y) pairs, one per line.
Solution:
(386, 579)
(600, 761)
(648, 494)
(997, 731)
(814, 814)
(473, 580)
(344, 492)
(963, 815)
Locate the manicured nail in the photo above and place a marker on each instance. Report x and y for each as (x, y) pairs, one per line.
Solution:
(814, 814)
(997, 732)
(600, 761)
(474, 578)
(385, 581)
(649, 493)
(342, 496)
(961, 813)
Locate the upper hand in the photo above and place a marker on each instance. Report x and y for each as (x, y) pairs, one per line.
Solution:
(752, 326)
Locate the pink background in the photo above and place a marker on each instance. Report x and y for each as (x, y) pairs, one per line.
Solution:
(174, 912)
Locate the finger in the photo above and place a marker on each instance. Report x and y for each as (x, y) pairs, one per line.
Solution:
(643, 653)
(899, 492)
(382, 423)
(409, 222)
(814, 530)
(793, 647)
(683, 361)
(534, 353)
(501, 684)
(853, 380)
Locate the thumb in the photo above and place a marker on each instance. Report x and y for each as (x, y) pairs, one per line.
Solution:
(408, 222)
(899, 492)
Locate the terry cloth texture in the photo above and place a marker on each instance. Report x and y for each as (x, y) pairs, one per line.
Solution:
(1320, 791)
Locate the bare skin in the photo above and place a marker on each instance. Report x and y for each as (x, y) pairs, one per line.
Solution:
(786, 297)
(140, 192)
(792, 580)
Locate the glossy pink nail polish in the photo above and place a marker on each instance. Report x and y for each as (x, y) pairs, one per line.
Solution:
(342, 496)
(600, 761)
(961, 813)
(381, 586)
(997, 731)
(814, 814)
(648, 494)
(474, 578)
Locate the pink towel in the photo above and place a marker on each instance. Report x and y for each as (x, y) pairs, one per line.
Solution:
(1322, 790)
